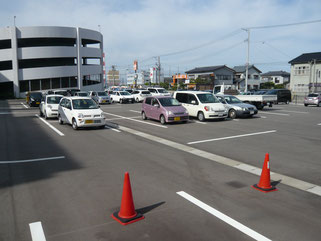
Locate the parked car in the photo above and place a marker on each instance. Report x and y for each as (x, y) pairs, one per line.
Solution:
(283, 95)
(313, 99)
(61, 92)
(201, 104)
(163, 108)
(122, 97)
(236, 108)
(72, 92)
(49, 105)
(158, 91)
(33, 98)
(80, 112)
(81, 93)
(100, 97)
(140, 95)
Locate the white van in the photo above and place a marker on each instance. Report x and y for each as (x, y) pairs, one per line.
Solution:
(158, 91)
(203, 105)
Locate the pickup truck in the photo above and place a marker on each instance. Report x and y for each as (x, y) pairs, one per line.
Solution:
(258, 100)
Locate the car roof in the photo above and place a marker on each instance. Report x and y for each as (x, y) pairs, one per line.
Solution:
(53, 95)
(77, 97)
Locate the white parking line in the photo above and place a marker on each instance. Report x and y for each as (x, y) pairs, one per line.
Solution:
(113, 129)
(127, 118)
(199, 122)
(32, 160)
(27, 107)
(250, 232)
(37, 233)
(236, 120)
(120, 118)
(136, 111)
(286, 180)
(263, 117)
(269, 113)
(231, 137)
(51, 126)
(319, 124)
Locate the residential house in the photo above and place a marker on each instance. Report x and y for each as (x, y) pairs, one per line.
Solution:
(254, 78)
(277, 77)
(305, 74)
(215, 75)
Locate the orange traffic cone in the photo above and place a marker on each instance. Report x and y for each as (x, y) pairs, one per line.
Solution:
(127, 213)
(265, 182)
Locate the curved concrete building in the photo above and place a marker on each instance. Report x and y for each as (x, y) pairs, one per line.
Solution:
(44, 57)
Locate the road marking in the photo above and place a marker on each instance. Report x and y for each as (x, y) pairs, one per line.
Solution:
(24, 105)
(319, 124)
(37, 233)
(127, 118)
(32, 160)
(231, 137)
(136, 111)
(235, 224)
(263, 117)
(292, 111)
(253, 234)
(199, 122)
(286, 180)
(269, 113)
(51, 126)
(121, 118)
(236, 120)
(111, 128)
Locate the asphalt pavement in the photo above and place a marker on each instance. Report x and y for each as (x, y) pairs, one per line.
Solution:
(72, 183)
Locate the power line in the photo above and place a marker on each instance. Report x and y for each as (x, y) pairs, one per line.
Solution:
(284, 25)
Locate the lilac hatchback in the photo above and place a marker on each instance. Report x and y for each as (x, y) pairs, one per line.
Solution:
(163, 108)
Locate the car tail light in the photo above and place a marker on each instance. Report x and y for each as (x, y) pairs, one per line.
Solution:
(206, 108)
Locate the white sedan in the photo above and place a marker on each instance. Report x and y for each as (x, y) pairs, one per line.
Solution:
(122, 97)
(80, 112)
(49, 105)
(140, 95)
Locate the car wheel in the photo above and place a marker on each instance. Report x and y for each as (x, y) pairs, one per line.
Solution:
(319, 104)
(162, 120)
(144, 117)
(137, 100)
(200, 116)
(121, 101)
(74, 124)
(305, 104)
(46, 117)
(232, 114)
(60, 120)
(102, 127)
(40, 113)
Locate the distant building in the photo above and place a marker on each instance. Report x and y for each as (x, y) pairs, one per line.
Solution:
(254, 78)
(218, 74)
(142, 78)
(277, 77)
(113, 77)
(48, 57)
(305, 74)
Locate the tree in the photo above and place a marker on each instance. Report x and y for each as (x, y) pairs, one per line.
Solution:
(267, 85)
(279, 86)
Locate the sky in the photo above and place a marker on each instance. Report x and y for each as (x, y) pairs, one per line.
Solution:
(184, 33)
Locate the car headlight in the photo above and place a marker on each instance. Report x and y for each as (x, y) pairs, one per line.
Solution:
(50, 107)
(80, 115)
(102, 115)
(170, 112)
(244, 109)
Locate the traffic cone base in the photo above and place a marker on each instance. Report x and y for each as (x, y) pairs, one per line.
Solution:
(271, 189)
(125, 221)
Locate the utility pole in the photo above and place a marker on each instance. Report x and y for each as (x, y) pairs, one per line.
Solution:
(14, 20)
(159, 70)
(248, 58)
(113, 70)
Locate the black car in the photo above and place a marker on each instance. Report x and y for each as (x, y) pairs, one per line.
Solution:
(33, 98)
(283, 95)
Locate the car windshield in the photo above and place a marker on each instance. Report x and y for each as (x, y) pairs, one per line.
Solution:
(169, 102)
(36, 95)
(162, 91)
(207, 98)
(102, 93)
(124, 93)
(232, 100)
(313, 95)
(271, 92)
(81, 104)
(145, 92)
(82, 94)
(54, 99)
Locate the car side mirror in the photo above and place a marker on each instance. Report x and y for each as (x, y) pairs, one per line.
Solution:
(193, 102)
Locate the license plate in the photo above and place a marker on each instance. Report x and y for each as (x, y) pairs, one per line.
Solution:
(89, 121)
(251, 112)
(177, 118)
(104, 101)
(37, 103)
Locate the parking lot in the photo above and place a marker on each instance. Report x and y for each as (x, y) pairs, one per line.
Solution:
(192, 181)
